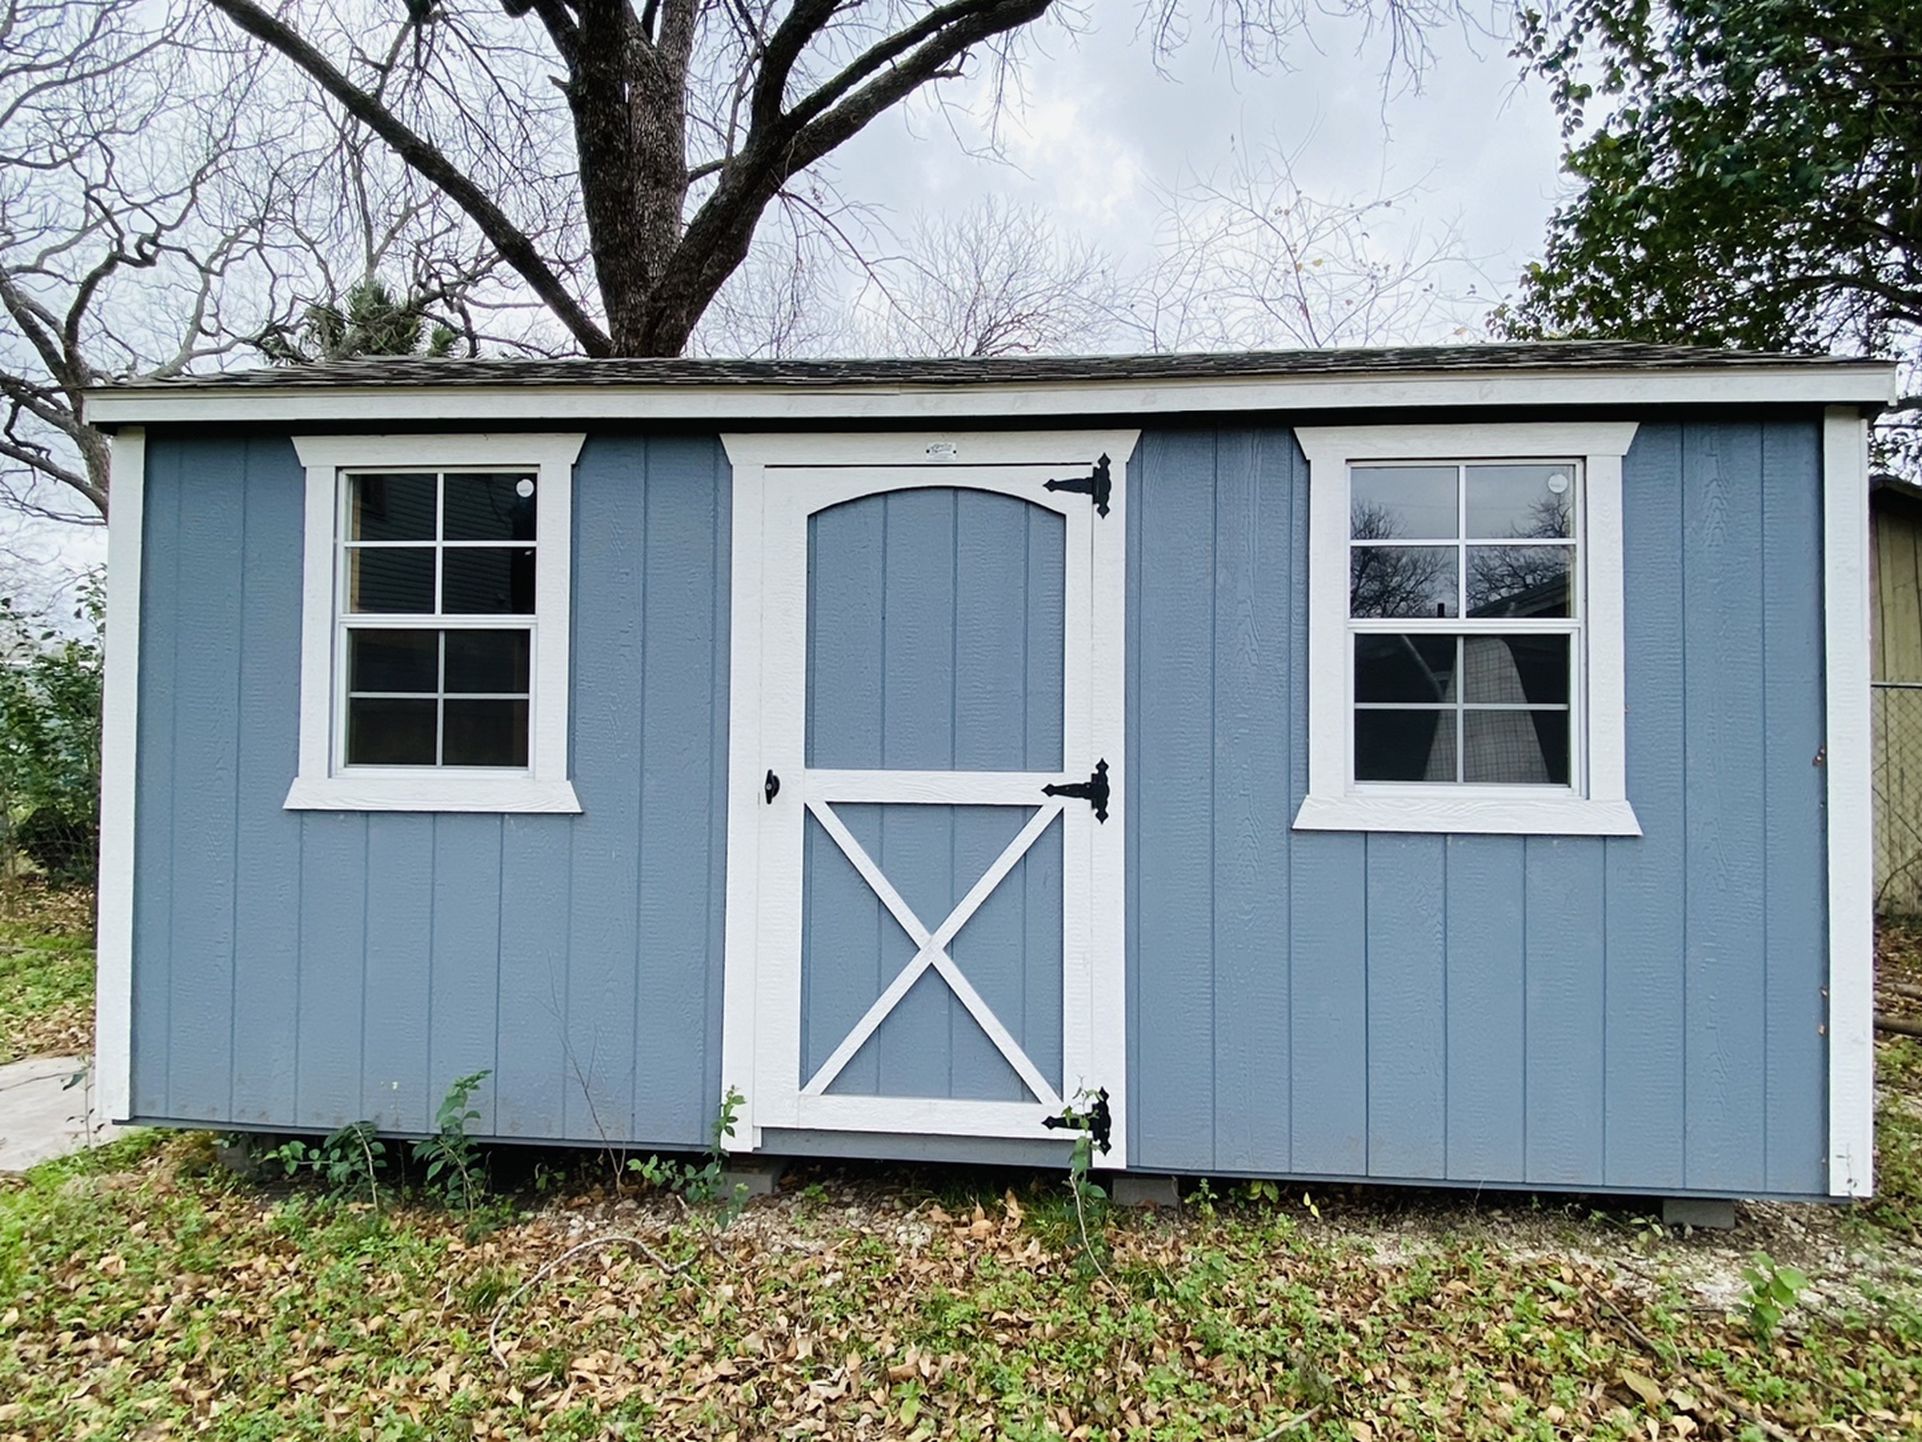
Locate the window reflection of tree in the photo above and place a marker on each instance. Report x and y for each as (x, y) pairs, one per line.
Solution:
(1503, 581)
(1524, 580)
(1393, 580)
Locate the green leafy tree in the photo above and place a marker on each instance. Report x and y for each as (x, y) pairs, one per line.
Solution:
(369, 321)
(50, 736)
(1750, 174)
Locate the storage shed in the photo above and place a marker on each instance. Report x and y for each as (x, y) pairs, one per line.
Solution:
(1427, 765)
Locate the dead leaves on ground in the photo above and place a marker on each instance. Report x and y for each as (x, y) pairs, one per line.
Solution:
(153, 1304)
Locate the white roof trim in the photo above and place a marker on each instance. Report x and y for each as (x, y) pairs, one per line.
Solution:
(1869, 384)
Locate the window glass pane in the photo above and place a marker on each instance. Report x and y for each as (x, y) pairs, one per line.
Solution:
(1514, 747)
(1515, 670)
(487, 580)
(487, 661)
(1402, 502)
(494, 507)
(391, 507)
(393, 661)
(1402, 581)
(1519, 580)
(485, 733)
(1395, 503)
(1404, 668)
(1517, 501)
(390, 579)
(1405, 745)
(387, 732)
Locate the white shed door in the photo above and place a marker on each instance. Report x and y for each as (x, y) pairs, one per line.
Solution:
(925, 831)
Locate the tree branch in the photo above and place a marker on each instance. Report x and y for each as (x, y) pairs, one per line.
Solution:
(426, 159)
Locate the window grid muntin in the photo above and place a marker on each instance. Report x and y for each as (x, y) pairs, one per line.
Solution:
(346, 621)
(1462, 626)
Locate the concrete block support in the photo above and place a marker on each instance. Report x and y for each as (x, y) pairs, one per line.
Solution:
(1143, 1189)
(1712, 1214)
(761, 1176)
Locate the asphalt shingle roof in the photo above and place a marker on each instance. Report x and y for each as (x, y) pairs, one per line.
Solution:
(997, 370)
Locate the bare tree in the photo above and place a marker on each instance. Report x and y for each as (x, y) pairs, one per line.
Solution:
(163, 208)
(1249, 260)
(90, 209)
(686, 118)
(995, 279)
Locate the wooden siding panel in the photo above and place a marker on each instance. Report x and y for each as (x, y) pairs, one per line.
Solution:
(1795, 885)
(676, 1040)
(1724, 751)
(1171, 803)
(395, 1085)
(1643, 1009)
(463, 1015)
(208, 632)
(1486, 992)
(610, 530)
(332, 953)
(1407, 878)
(531, 1073)
(1563, 934)
(268, 854)
(1253, 577)
(1690, 1009)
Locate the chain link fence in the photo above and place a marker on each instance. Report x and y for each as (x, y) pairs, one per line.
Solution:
(1895, 713)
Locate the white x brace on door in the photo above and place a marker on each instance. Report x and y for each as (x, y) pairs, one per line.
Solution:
(926, 782)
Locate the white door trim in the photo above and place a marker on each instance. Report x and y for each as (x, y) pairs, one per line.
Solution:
(769, 587)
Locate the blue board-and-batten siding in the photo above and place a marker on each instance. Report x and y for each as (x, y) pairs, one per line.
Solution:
(304, 969)
(1642, 1013)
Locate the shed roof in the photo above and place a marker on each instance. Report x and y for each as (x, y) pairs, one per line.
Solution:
(1544, 372)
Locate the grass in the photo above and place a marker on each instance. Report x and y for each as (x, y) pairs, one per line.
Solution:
(145, 1292)
(46, 972)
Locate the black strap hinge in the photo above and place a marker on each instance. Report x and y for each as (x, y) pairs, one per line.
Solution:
(1097, 1121)
(1094, 790)
(1099, 485)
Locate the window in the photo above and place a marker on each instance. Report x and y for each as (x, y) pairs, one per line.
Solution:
(1465, 667)
(434, 669)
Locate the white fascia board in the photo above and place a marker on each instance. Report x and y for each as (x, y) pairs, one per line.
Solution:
(1870, 384)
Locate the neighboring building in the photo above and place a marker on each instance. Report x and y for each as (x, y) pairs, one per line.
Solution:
(1895, 562)
(1429, 765)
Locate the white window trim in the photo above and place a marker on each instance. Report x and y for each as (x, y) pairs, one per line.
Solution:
(321, 785)
(1334, 801)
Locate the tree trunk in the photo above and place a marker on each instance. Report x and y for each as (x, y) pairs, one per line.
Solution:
(628, 99)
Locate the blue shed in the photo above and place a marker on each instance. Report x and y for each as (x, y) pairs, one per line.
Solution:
(1426, 765)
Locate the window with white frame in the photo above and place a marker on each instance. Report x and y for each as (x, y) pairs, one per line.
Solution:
(1465, 667)
(434, 668)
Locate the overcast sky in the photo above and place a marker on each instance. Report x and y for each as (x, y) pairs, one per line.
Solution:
(1100, 129)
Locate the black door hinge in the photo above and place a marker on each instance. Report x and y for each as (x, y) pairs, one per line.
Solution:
(1096, 1121)
(1094, 789)
(1099, 485)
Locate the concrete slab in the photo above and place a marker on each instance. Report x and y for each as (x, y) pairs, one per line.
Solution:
(41, 1115)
